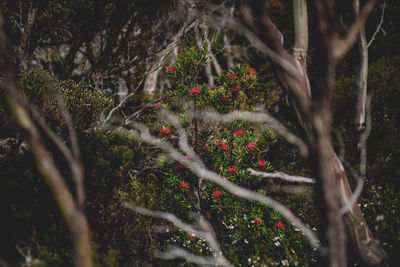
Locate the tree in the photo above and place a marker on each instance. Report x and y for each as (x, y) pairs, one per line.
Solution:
(314, 112)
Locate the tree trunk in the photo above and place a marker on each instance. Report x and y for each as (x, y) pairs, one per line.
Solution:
(150, 83)
(315, 117)
(362, 75)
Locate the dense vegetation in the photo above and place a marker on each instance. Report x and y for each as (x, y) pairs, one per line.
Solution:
(122, 169)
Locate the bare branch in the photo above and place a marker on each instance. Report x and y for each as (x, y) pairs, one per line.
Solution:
(344, 45)
(208, 234)
(72, 213)
(142, 133)
(260, 117)
(175, 252)
(120, 105)
(283, 176)
(379, 25)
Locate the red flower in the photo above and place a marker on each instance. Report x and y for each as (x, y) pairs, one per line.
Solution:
(157, 105)
(187, 156)
(180, 166)
(217, 193)
(252, 70)
(171, 68)
(261, 162)
(165, 130)
(232, 76)
(250, 76)
(257, 221)
(237, 194)
(225, 98)
(251, 145)
(224, 146)
(191, 236)
(184, 184)
(235, 88)
(238, 131)
(195, 90)
(231, 168)
(234, 145)
(278, 225)
(218, 142)
(205, 147)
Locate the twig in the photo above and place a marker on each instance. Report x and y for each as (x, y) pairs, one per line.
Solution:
(142, 133)
(207, 235)
(379, 25)
(283, 176)
(261, 117)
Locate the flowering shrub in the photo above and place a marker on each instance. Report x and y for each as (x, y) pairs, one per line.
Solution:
(245, 230)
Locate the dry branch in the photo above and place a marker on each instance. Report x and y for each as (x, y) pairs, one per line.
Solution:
(71, 210)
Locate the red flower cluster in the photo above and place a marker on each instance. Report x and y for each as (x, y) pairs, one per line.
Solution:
(278, 225)
(224, 146)
(257, 221)
(191, 236)
(205, 147)
(184, 184)
(171, 68)
(252, 70)
(187, 156)
(261, 162)
(195, 90)
(251, 145)
(231, 168)
(238, 131)
(236, 88)
(217, 193)
(225, 98)
(180, 166)
(165, 130)
(237, 194)
(232, 76)
(157, 105)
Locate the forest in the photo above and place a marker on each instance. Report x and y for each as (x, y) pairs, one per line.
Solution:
(199, 133)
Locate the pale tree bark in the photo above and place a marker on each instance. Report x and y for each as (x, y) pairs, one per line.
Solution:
(71, 209)
(150, 83)
(362, 74)
(229, 53)
(300, 19)
(315, 115)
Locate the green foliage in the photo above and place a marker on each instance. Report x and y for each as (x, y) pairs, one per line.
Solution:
(247, 232)
(85, 107)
